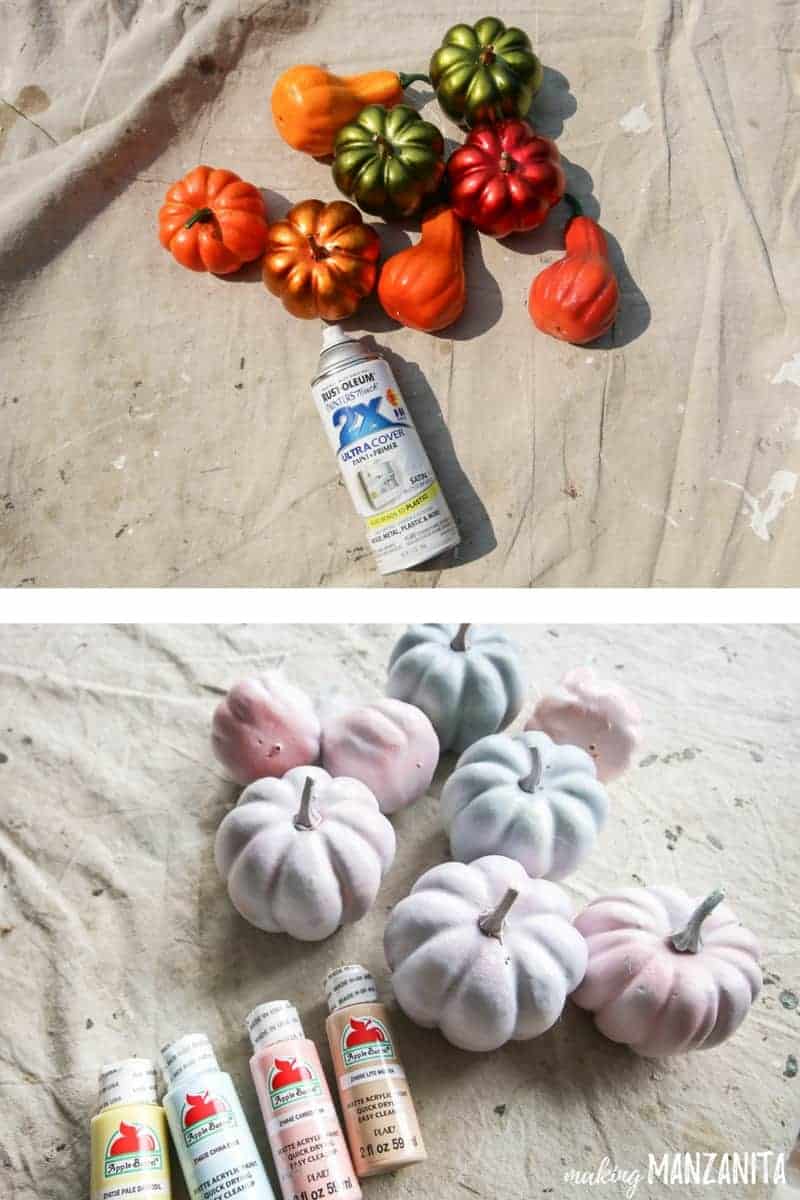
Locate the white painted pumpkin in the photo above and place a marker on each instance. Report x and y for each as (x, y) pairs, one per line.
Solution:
(390, 746)
(468, 679)
(527, 798)
(265, 726)
(484, 953)
(598, 715)
(304, 854)
(667, 972)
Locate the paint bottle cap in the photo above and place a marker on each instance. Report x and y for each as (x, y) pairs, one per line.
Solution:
(350, 984)
(187, 1055)
(131, 1081)
(277, 1021)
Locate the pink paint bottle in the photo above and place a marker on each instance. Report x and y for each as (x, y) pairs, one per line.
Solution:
(306, 1139)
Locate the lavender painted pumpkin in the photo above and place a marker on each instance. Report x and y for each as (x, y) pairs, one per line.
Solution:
(525, 797)
(304, 854)
(468, 679)
(599, 716)
(390, 746)
(264, 727)
(484, 953)
(667, 972)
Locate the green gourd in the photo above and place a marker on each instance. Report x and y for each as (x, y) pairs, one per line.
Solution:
(389, 160)
(485, 72)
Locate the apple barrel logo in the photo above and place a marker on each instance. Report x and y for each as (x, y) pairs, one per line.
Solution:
(131, 1148)
(203, 1115)
(363, 1039)
(290, 1080)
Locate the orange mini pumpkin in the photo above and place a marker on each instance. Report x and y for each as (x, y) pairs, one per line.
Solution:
(321, 260)
(576, 298)
(211, 220)
(310, 105)
(425, 286)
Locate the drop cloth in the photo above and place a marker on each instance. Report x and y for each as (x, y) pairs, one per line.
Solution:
(116, 933)
(156, 427)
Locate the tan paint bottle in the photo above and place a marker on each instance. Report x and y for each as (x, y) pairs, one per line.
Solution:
(379, 1115)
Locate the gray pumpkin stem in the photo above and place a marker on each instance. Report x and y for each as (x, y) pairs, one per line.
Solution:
(531, 782)
(306, 817)
(459, 642)
(687, 940)
(491, 923)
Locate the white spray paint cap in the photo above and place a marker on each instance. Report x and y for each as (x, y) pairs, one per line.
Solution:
(186, 1056)
(350, 984)
(277, 1021)
(131, 1081)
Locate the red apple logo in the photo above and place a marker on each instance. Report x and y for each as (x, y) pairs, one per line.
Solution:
(131, 1139)
(199, 1107)
(287, 1071)
(362, 1031)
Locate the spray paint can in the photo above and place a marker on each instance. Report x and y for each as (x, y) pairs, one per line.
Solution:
(305, 1136)
(213, 1141)
(129, 1134)
(379, 1114)
(381, 458)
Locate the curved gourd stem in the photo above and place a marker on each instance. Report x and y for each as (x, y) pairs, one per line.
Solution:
(407, 80)
(687, 940)
(531, 782)
(459, 642)
(202, 214)
(491, 923)
(574, 205)
(306, 817)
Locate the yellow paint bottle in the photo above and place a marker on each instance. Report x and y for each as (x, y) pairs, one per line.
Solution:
(129, 1135)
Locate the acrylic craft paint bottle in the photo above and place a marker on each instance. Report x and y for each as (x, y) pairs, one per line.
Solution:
(215, 1147)
(129, 1134)
(379, 1115)
(305, 1136)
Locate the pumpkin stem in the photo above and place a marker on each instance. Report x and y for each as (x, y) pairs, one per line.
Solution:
(487, 56)
(507, 163)
(318, 253)
(202, 214)
(306, 817)
(531, 782)
(575, 206)
(687, 940)
(459, 642)
(491, 923)
(407, 80)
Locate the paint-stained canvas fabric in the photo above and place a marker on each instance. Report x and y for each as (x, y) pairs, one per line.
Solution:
(156, 426)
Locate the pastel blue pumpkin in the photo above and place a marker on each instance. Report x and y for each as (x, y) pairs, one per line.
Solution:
(527, 798)
(467, 679)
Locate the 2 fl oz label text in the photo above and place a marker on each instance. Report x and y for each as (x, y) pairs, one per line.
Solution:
(333, 1188)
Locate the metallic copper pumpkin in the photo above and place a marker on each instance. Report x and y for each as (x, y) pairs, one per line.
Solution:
(321, 260)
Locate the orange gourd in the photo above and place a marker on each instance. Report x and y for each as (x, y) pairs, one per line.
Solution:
(321, 260)
(425, 287)
(310, 105)
(211, 220)
(576, 298)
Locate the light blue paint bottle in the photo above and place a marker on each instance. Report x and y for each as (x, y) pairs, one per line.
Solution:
(215, 1147)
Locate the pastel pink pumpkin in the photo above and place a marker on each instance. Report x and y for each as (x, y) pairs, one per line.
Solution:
(667, 972)
(264, 727)
(599, 716)
(390, 746)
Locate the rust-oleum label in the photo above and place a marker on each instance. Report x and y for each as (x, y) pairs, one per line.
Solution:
(384, 465)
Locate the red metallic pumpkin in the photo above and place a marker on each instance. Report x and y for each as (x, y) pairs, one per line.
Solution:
(505, 178)
(576, 298)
